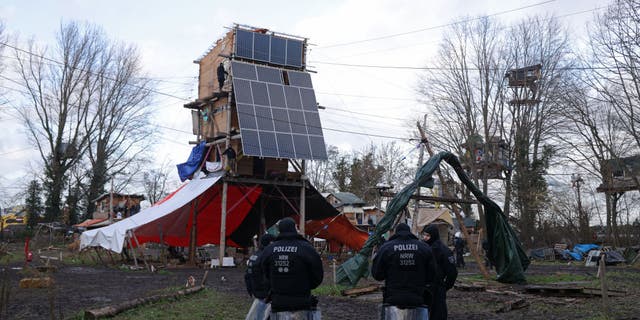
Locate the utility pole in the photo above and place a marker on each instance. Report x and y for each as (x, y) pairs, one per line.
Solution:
(414, 220)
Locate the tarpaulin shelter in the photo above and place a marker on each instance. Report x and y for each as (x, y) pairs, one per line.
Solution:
(337, 230)
(505, 251)
(171, 220)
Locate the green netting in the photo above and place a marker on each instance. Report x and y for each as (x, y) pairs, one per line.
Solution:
(505, 251)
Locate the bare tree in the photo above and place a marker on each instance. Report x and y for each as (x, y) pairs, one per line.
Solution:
(320, 172)
(615, 78)
(155, 182)
(59, 93)
(465, 91)
(119, 120)
(397, 170)
(467, 95)
(536, 40)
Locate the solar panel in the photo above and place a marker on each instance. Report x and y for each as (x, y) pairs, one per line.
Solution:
(269, 48)
(244, 70)
(261, 44)
(259, 91)
(271, 75)
(246, 116)
(276, 95)
(277, 120)
(299, 79)
(244, 43)
(243, 89)
(285, 146)
(292, 96)
(308, 99)
(294, 53)
(278, 51)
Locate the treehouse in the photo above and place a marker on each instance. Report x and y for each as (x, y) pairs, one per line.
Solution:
(621, 175)
(524, 77)
(488, 159)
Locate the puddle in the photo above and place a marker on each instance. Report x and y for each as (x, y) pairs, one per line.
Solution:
(83, 270)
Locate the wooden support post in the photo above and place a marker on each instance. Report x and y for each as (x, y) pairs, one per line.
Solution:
(303, 215)
(223, 223)
(455, 209)
(133, 253)
(602, 272)
(113, 261)
(98, 253)
(140, 249)
(194, 233)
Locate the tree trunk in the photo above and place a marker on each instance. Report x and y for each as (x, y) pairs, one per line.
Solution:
(96, 187)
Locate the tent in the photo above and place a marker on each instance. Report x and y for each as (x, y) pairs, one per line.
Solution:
(337, 230)
(249, 205)
(112, 237)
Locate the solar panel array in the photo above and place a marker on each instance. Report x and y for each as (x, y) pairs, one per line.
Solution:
(277, 119)
(268, 48)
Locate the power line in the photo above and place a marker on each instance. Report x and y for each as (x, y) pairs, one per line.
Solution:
(364, 96)
(435, 27)
(432, 42)
(91, 72)
(14, 151)
(364, 114)
(271, 118)
(441, 68)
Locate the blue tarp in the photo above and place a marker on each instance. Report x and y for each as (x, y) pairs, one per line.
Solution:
(566, 254)
(584, 249)
(185, 170)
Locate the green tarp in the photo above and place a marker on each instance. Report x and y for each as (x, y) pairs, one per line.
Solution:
(505, 251)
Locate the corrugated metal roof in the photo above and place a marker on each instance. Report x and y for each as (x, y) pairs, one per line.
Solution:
(348, 198)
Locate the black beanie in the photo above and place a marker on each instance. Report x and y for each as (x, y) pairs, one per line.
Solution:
(403, 228)
(266, 239)
(287, 225)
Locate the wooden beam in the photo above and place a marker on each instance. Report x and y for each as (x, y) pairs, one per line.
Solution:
(262, 181)
(303, 215)
(223, 222)
(430, 198)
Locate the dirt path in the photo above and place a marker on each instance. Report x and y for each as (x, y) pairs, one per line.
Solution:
(80, 287)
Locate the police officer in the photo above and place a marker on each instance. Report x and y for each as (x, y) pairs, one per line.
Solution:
(407, 266)
(293, 268)
(446, 274)
(256, 283)
(458, 245)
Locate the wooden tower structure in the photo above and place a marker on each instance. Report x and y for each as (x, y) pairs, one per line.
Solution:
(256, 110)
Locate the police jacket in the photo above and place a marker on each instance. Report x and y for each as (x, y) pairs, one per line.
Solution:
(293, 268)
(407, 266)
(257, 284)
(447, 271)
(458, 244)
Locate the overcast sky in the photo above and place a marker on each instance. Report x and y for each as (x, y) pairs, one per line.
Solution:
(171, 34)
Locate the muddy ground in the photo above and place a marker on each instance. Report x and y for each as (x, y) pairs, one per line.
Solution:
(82, 287)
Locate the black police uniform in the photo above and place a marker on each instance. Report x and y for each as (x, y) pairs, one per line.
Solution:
(446, 274)
(293, 268)
(458, 244)
(407, 266)
(254, 279)
(221, 75)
